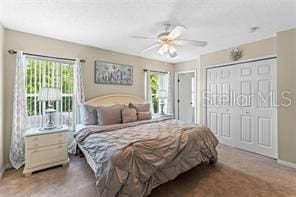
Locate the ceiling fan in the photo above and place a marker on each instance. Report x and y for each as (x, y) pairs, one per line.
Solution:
(169, 39)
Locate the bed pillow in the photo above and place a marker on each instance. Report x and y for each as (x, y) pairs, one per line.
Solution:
(145, 107)
(128, 115)
(88, 115)
(109, 114)
(144, 115)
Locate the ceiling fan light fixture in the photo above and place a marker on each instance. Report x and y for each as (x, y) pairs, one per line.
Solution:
(172, 51)
(168, 39)
(164, 49)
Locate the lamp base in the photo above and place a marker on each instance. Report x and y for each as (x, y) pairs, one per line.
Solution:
(50, 121)
(48, 127)
(162, 112)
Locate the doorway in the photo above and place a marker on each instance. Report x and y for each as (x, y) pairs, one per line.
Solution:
(186, 96)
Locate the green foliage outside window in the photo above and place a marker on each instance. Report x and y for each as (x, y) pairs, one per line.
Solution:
(42, 73)
(154, 81)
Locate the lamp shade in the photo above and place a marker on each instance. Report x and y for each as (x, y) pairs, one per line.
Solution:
(50, 94)
(162, 94)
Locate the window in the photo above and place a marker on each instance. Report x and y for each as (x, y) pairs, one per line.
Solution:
(47, 72)
(158, 81)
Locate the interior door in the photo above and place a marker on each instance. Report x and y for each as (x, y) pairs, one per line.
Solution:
(185, 102)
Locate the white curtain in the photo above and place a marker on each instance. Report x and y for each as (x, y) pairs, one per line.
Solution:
(78, 95)
(19, 114)
(148, 93)
(170, 103)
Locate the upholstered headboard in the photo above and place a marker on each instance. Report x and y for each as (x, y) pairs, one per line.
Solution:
(115, 99)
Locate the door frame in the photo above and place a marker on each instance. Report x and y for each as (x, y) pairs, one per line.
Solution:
(204, 72)
(177, 93)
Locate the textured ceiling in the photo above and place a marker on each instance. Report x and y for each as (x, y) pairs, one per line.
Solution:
(110, 24)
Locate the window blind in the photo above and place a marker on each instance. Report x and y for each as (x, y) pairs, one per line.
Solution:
(47, 72)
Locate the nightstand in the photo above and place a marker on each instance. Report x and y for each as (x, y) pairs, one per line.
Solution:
(45, 148)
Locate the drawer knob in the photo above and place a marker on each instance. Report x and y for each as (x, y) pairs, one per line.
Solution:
(36, 138)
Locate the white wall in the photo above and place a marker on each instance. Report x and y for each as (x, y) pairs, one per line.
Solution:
(52, 47)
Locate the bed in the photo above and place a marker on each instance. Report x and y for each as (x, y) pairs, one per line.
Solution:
(131, 159)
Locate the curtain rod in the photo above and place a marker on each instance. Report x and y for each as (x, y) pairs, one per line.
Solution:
(12, 52)
(155, 71)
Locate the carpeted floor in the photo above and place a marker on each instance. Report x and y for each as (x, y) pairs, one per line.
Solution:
(237, 173)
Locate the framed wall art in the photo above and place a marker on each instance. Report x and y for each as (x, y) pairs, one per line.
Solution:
(111, 73)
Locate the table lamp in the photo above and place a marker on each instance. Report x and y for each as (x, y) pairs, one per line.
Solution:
(162, 94)
(50, 95)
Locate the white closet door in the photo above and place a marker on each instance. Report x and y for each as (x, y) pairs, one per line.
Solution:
(249, 120)
(227, 115)
(245, 123)
(257, 116)
(219, 111)
(213, 110)
(265, 111)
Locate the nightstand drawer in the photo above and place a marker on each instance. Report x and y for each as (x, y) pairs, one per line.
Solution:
(46, 140)
(46, 155)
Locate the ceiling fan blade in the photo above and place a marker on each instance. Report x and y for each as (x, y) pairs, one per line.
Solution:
(151, 47)
(164, 49)
(191, 42)
(176, 32)
(172, 51)
(145, 38)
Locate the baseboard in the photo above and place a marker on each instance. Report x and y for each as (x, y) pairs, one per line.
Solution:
(2, 170)
(8, 166)
(286, 163)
